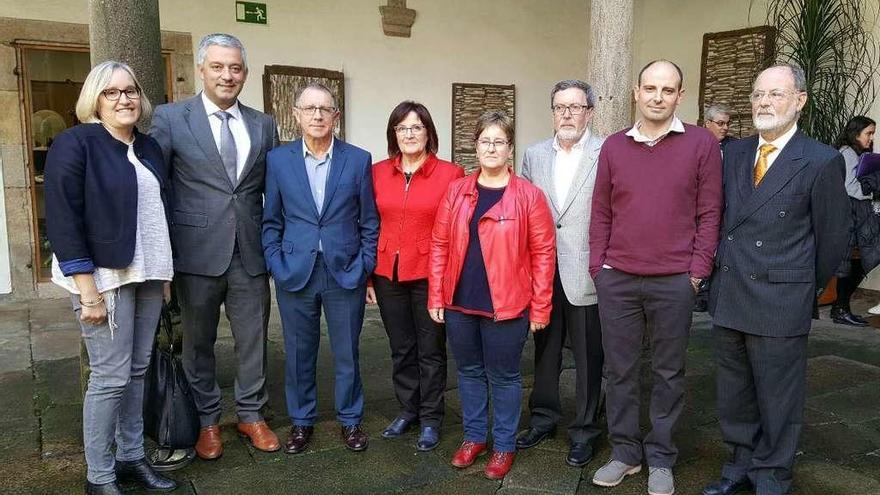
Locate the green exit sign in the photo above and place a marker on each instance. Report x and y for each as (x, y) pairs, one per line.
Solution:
(252, 12)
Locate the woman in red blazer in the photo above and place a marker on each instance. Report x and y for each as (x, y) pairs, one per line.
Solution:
(408, 187)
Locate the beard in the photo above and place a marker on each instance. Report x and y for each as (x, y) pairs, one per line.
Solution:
(569, 134)
(766, 123)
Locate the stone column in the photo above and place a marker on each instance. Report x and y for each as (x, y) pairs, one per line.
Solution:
(128, 31)
(611, 25)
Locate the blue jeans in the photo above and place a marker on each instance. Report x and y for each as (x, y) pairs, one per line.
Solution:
(113, 405)
(487, 354)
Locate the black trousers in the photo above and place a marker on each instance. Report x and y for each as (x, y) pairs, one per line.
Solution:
(761, 387)
(630, 305)
(581, 324)
(846, 286)
(418, 348)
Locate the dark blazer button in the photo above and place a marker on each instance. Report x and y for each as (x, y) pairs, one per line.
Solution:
(730, 237)
(781, 214)
(759, 243)
(753, 276)
(558, 225)
(725, 268)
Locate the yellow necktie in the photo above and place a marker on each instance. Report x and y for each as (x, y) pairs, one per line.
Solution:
(761, 166)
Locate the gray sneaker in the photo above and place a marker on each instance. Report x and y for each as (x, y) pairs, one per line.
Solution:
(612, 473)
(660, 481)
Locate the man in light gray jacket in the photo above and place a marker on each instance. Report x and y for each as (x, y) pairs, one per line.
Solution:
(564, 167)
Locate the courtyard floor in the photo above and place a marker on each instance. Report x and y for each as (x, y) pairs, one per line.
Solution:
(41, 405)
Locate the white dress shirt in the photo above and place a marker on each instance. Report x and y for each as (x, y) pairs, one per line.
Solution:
(779, 142)
(236, 126)
(566, 164)
(636, 132)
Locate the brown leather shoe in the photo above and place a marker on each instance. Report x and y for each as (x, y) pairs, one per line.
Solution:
(298, 439)
(354, 438)
(260, 435)
(209, 445)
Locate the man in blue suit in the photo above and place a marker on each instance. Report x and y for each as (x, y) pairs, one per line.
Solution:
(320, 230)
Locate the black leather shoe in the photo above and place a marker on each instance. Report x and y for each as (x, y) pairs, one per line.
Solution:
(106, 489)
(844, 317)
(579, 454)
(354, 438)
(141, 471)
(429, 439)
(397, 427)
(725, 486)
(532, 437)
(298, 439)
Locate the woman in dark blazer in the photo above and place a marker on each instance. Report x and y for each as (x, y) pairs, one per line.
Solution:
(106, 220)
(408, 187)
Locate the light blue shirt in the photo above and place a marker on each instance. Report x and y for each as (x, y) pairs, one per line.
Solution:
(317, 170)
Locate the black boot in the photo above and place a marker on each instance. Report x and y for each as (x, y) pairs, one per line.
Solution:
(843, 316)
(106, 489)
(141, 471)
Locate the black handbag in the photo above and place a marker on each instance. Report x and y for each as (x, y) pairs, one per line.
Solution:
(170, 415)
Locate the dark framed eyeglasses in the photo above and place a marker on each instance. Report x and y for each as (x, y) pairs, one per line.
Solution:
(113, 94)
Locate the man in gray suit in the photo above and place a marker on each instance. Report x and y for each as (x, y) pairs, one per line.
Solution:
(785, 231)
(564, 167)
(216, 148)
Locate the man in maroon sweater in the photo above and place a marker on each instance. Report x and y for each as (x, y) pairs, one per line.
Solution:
(653, 233)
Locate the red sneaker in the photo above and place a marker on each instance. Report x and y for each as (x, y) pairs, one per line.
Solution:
(499, 465)
(467, 453)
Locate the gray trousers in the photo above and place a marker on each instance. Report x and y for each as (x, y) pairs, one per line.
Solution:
(628, 306)
(246, 301)
(113, 405)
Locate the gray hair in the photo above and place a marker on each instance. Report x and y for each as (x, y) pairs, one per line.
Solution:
(715, 110)
(313, 85)
(220, 39)
(96, 82)
(574, 83)
(797, 73)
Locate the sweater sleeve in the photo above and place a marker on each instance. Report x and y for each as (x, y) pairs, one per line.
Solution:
(710, 200)
(600, 217)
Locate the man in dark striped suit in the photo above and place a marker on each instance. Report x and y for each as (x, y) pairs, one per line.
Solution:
(785, 230)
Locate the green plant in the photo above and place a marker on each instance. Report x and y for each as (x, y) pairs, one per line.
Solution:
(832, 41)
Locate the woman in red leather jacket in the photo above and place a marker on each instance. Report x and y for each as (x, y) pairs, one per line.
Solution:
(408, 187)
(491, 280)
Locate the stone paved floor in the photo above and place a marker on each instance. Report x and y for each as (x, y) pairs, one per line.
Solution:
(41, 446)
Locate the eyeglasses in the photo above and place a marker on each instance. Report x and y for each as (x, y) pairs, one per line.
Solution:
(321, 110)
(113, 94)
(415, 129)
(485, 144)
(720, 123)
(575, 109)
(775, 95)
